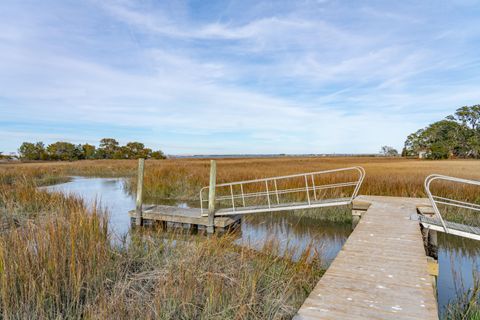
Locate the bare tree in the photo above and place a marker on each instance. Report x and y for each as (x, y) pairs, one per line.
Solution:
(388, 151)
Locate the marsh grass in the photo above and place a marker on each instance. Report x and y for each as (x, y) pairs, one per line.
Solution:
(334, 214)
(456, 191)
(53, 258)
(183, 178)
(394, 177)
(207, 279)
(57, 262)
(460, 215)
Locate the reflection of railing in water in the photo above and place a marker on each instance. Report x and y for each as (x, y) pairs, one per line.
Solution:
(275, 190)
(438, 222)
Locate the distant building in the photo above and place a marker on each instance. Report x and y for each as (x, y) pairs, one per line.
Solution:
(422, 154)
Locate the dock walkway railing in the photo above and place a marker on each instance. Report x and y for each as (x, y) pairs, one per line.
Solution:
(298, 191)
(435, 200)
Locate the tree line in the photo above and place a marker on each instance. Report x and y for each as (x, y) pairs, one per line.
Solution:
(457, 136)
(65, 151)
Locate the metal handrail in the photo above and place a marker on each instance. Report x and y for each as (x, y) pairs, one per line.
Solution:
(277, 192)
(434, 200)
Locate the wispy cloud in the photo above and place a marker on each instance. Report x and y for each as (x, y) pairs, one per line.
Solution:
(233, 77)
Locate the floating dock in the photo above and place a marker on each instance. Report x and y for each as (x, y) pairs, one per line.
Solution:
(191, 217)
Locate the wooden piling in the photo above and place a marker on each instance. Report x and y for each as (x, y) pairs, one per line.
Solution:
(211, 197)
(358, 209)
(356, 215)
(429, 235)
(138, 209)
(433, 244)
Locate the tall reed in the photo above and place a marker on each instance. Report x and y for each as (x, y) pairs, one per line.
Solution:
(207, 279)
(57, 262)
(54, 257)
(466, 305)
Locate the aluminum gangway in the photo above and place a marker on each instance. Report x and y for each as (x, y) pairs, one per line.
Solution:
(326, 188)
(437, 221)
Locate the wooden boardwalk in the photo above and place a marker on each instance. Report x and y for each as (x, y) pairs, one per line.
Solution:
(381, 271)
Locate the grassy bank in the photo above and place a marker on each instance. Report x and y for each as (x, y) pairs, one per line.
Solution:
(57, 261)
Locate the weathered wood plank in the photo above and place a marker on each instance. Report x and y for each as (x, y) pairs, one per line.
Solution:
(360, 204)
(381, 271)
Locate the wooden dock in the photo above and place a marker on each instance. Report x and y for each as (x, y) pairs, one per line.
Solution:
(184, 216)
(381, 271)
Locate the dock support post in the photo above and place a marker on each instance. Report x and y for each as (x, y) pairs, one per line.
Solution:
(138, 209)
(211, 197)
(356, 215)
(429, 236)
(433, 244)
(163, 225)
(359, 207)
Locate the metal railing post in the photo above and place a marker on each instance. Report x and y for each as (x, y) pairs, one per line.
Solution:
(314, 191)
(306, 187)
(276, 191)
(233, 199)
(268, 194)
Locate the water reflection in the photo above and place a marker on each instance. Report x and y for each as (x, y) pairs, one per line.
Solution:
(295, 232)
(108, 193)
(457, 257)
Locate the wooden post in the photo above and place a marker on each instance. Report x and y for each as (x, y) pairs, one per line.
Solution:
(433, 244)
(429, 236)
(358, 209)
(356, 215)
(211, 197)
(138, 209)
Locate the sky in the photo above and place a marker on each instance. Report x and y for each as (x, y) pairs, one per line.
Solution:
(230, 77)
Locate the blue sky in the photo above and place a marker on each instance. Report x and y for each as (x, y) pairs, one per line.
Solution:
(218, 77)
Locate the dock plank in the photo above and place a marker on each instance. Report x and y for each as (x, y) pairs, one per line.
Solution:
(381, 271)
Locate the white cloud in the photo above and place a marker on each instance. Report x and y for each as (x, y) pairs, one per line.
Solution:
(291, 81)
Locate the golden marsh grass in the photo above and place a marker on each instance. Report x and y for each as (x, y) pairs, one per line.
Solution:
(184, 177)
(57, 262)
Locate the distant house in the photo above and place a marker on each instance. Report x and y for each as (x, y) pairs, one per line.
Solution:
(422, 154)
